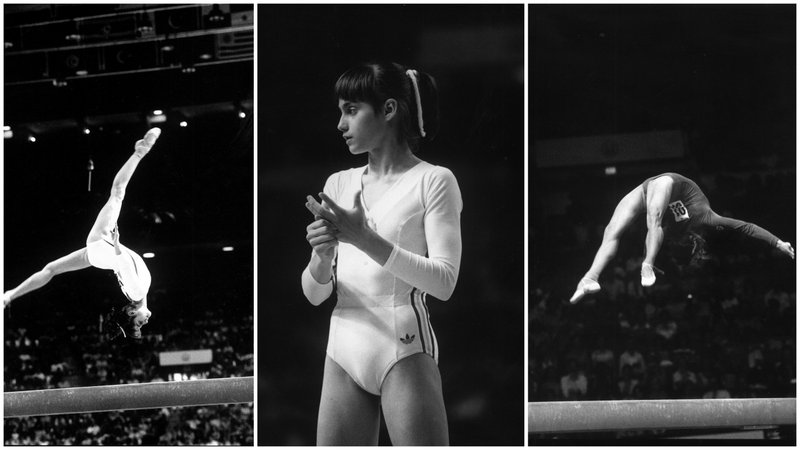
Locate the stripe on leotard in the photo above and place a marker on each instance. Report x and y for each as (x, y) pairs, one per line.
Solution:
(430, 328)
(419, 321)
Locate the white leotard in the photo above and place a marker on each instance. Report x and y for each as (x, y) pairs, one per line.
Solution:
(381, 315)
(134, 278)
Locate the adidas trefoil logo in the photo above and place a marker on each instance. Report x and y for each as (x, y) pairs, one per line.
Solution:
(407, 340)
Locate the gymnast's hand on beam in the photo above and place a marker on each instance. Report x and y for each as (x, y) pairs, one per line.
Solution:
(351, 224)
(786, 248)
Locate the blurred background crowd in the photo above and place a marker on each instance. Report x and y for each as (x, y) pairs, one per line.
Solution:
(723, 328)
(70, 348)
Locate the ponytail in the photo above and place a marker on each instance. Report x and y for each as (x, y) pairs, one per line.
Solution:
(415, 91)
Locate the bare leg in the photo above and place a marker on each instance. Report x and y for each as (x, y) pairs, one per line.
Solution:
(630, 207)
(348, 415)
(74, 261)
(658, 194)
(413, 404)
(107, 218)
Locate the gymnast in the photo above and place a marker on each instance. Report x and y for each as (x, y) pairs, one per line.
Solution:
(674, 207)
(384, 235)
(104, 251)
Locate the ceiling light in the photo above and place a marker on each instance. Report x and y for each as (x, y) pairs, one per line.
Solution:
(215, 16)
(145, 26)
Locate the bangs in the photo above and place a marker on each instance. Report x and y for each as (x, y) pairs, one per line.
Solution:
(357, 85)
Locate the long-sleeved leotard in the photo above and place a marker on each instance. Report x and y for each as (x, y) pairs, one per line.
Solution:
(689, 210)
(381, 315)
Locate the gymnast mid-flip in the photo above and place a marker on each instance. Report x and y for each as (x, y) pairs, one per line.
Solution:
(674, 206)
(104, 251)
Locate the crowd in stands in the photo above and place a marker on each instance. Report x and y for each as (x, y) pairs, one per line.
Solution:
(723, 328)
(62, 349)
(208, 425)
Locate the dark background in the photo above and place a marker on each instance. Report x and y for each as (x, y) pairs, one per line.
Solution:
(476, 54)
(723, 76)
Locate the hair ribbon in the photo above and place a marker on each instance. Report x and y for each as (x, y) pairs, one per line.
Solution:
(413, 75)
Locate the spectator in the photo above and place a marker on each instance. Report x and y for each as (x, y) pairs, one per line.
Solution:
(628, 386)
(684, 381)
(574, 385)
(631, 357)
(715, 390)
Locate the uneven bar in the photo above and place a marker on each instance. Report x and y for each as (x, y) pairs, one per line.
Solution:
(217, 391)
(561, 417)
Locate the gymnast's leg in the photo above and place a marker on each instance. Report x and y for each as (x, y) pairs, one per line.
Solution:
(630, 207)
(74, 261)
(413, 404)
(107, 218)
(348, 415)
(658, 194)
(103, 226)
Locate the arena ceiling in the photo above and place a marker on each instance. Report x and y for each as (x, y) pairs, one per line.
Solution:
(82, 82)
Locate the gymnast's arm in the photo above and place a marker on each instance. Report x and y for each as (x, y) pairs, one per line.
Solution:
(437, 273)
(318, 268)
(318, 276)
(749, 229)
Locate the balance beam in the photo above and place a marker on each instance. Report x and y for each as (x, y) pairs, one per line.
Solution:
(588, 416)
(217, 391)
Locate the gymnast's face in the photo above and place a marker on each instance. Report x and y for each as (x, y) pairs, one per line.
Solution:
(139, 316)
(362, 129)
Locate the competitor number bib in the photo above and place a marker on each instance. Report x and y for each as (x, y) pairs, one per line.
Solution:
(679, 211)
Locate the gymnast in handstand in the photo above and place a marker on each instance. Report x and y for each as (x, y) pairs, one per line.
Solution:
(104, 251)
(674, 206)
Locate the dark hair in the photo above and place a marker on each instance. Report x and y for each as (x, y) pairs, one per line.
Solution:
(699, 249)
(121, 324)
(374, 83)
(691, 250)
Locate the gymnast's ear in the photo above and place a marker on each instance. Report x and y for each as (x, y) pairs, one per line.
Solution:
(389, 108)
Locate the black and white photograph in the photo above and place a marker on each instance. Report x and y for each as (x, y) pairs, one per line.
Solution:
(128, 236)
(662, 276)
(391, 225)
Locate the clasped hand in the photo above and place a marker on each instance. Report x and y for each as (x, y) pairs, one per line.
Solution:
(335, 224)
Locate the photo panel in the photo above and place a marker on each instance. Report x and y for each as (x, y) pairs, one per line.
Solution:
(662, 223)
(128, 235)
(309, 138)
